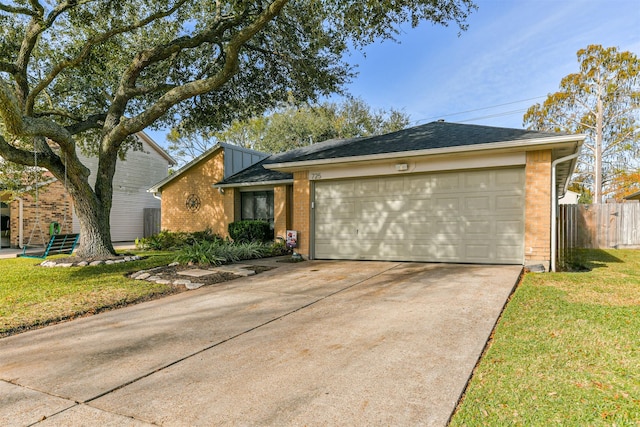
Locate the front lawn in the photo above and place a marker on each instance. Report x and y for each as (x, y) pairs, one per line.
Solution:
(33, 296)
(566, 350)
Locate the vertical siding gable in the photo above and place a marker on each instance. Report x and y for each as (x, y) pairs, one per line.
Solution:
(237, 159)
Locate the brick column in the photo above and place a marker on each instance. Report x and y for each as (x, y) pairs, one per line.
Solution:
(280, 211)
(231, 209)
(302, 211)
(537, 238)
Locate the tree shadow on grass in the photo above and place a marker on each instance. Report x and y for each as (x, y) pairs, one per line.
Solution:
(583, 260)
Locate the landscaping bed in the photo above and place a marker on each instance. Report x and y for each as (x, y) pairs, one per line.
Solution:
(33, 296)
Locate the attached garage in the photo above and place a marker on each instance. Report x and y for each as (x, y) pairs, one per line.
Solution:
(438, 192)
(463, 216)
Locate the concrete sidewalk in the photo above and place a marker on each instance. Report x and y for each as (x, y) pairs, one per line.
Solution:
(315, 343)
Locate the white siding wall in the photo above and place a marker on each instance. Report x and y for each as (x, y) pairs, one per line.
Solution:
(133, 177)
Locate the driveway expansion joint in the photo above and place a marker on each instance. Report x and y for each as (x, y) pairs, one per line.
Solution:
(189, 356)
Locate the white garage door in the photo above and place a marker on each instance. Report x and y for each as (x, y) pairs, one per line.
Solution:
(470, 216)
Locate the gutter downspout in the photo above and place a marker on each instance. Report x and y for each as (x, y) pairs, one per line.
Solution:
(554, 206)
(157, 195)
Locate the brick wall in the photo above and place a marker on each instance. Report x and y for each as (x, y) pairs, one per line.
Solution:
(54, 205)
(281, 220)
(197, 182)
(537, 239)
(302, 210)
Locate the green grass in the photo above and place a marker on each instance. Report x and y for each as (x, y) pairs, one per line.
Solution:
(33, 296)
(565, 352)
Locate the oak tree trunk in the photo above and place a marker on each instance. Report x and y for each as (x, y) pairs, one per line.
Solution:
(93, 205)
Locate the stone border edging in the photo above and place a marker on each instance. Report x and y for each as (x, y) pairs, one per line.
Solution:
(53, 263)
(150, 277)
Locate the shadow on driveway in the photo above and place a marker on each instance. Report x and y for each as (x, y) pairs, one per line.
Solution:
(316, 343)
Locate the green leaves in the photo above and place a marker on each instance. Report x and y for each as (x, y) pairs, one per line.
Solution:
(221, 252)
(92, 73)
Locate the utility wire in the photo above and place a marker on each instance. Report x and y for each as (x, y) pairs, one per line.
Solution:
(491, 116)
(481, 109)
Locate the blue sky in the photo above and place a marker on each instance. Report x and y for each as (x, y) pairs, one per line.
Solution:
(513, 50)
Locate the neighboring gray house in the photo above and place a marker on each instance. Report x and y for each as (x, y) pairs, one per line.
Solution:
(133, 177)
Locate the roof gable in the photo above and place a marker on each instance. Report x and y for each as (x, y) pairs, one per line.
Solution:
(236, 159)
(144, 138)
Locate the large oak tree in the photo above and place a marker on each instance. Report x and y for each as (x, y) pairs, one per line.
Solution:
(602, 100)
(89, 74)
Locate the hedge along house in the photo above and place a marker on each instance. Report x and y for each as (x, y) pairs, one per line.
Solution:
(29, 222)
(440, 192)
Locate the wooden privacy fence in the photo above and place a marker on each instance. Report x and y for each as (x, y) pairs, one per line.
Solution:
(151, 221)
(603, 226)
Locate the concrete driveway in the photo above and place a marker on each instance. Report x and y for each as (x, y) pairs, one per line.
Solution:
(315, 343)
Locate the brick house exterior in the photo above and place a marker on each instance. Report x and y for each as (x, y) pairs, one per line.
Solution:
(500, 201)
(133, 176)
(54, 205)
(191, 203)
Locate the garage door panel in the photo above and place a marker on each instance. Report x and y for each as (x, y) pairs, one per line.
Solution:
(509, 227)
(336, 229)
(419, 185)
(477, 181)
(446, 182)
(509, 253)
(444, 204)
(340, 190)
(479, 252)
(394, 186)
(368, 188)
(478, 203)
(472, 216)
(332, 211)
(509, 178)
(382, 205)
(478, 228)
(512, 202)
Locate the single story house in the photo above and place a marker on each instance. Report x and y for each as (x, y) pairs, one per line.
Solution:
(439, 192)
(189, 200)
(133, 176)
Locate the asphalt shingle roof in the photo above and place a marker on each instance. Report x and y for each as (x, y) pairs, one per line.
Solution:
(432, 135)
(256, 174)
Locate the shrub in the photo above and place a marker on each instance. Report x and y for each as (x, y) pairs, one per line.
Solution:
(250, 231)
(165, 240)
(279, 248)
(200, 253)
(207, 235)
(221, 252)
(169, 240)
